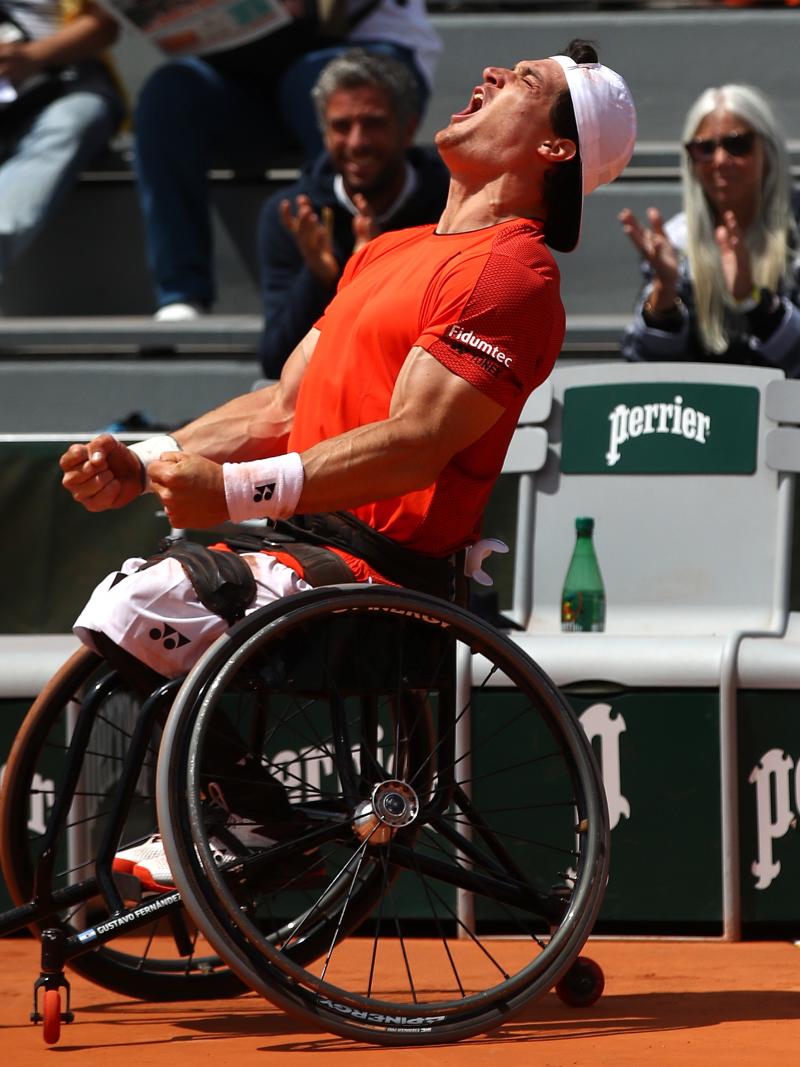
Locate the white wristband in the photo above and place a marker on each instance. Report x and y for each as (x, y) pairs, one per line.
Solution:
(264, 488)
(150, 450)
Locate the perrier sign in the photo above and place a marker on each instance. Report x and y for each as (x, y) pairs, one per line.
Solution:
(660, 428)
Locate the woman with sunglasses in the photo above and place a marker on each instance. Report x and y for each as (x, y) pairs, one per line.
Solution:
(722, 278)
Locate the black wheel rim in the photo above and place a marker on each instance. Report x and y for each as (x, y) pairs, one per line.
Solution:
(541, 890)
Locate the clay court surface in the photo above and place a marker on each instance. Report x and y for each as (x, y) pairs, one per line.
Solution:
(665, 1004)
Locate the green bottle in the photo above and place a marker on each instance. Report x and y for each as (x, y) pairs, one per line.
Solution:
(583, 600)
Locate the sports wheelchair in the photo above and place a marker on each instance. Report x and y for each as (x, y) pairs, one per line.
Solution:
(445, 854)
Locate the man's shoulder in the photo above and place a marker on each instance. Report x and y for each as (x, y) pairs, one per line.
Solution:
(522, 243)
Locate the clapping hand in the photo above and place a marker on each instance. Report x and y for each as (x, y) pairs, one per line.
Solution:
(364, 226)
(653, 245)
(735, 257)
(314, 238)
(314, 234)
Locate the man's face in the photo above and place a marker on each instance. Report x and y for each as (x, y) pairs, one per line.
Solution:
(365, 140)
(507, 117)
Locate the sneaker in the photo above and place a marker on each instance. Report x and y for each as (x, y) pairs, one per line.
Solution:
(231, 839)
(180, 311)
(147, 862)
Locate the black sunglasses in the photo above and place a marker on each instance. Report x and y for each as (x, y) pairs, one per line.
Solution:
(735, 144)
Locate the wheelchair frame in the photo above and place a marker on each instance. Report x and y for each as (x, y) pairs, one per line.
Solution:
(402, 805)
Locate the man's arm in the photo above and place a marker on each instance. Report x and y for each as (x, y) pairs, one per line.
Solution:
(82, 37)
(433, 415)
(104, 473)
(256, 424)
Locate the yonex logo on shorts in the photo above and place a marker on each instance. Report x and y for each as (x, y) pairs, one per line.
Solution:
(169, 637)
(468, 337)
(264, 492)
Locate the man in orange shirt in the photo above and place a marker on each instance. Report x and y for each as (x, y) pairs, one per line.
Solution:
(391, 419)
(396, 409)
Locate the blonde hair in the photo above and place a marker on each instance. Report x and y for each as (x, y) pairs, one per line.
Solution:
(767, 236)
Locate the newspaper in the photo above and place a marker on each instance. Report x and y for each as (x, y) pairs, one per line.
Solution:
(197, 27)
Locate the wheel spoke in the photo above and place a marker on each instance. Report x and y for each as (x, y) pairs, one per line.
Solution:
(35, 778)
(439, 819)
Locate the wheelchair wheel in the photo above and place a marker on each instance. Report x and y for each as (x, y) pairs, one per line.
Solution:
(148, 964)
(444, 852)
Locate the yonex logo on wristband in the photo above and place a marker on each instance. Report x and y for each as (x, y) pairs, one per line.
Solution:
(263, 488)
(264, 492)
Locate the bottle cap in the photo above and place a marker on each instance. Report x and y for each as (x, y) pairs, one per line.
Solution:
(584, 525)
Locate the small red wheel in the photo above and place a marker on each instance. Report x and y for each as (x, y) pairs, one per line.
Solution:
(583, 983)
(51, 1016)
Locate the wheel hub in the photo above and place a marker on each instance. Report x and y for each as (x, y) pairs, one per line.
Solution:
(392, 806)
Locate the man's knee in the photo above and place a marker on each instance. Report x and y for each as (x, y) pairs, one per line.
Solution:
(221, 579)
(176, 96)
(153, 614)
(71, 129)
(136, 673)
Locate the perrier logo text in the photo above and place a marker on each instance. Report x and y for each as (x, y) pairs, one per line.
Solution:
(643, 419)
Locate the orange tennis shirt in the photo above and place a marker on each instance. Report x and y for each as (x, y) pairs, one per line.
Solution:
(486, 305)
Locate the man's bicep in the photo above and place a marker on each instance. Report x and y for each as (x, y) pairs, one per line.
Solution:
(450, 412)
(295, 367)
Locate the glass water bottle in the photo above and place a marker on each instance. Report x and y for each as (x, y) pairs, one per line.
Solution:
(583, 600)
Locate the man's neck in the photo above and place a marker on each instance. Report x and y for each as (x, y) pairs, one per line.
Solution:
(475, 208)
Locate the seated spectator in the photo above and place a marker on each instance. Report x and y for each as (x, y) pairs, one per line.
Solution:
(369, 180)
(722, 278)
(245, 106)
(60, 107)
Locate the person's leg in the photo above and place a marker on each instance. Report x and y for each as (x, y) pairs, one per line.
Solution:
(187, 115)
(45, 163)
(294, 97)
(155, 615)
(150, 625)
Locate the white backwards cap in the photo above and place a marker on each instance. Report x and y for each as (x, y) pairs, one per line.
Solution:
(606, 121)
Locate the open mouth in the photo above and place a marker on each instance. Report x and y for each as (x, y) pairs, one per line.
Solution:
(475, 104)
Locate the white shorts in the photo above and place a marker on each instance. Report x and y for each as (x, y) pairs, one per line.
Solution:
(155, 614)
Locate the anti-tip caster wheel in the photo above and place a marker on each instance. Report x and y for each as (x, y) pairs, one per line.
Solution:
(51, 1016)
(583, 983)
